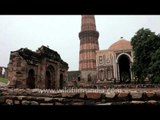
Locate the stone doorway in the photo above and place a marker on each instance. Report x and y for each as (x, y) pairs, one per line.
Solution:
(50, 77)
(124, 69)
(31, 79)
(61, 81)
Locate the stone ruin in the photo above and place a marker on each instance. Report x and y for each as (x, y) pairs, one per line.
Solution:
(42, 69)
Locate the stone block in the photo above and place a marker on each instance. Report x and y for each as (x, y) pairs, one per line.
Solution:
(46, 104)
(40, 99)
(136, 95)
(109, 103)
(2, 100)
(58, 103)
(21, 97)
(123, 95)
(25, 102)
(48, 99)
(16, 102)
(150, 94)
(110, 95)
(153, 102)
(157, 94)
(9, 102)
(78, 103)
(34, 103)
(137, 102)
(58, 99)
(93, 95)
(70, 94)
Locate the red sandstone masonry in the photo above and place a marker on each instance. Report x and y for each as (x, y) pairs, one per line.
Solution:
(93, 95)
(88, 42)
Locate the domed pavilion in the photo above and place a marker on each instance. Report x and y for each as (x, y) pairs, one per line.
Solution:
(115, 62)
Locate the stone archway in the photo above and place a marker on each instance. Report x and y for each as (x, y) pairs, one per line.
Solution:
(124, 68)
(31, 79)
(48, 80)
(61, 81)
(50, 77)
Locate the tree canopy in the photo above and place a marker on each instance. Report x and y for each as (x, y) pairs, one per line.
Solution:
(146, 50)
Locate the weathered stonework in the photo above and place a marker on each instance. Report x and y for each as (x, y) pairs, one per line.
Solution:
(41, 69)
(136, 95)
(93, 95)
(47, 97)
(114, 63)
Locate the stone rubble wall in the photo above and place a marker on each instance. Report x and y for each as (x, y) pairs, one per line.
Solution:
(106, 85)
(10, 96)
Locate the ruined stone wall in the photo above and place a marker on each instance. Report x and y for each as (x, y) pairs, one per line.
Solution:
(83, 97)
(64, 72)
(58, 70)
(85, 75)
(18, 71)
(17, 68)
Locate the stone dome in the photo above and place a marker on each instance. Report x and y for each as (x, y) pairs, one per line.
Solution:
(120, 45)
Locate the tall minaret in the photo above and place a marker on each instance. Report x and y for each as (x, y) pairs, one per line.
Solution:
(88, 44)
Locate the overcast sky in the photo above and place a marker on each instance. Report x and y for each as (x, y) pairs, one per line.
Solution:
(60, 33)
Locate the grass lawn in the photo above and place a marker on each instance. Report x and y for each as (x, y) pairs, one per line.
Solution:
(4, 80)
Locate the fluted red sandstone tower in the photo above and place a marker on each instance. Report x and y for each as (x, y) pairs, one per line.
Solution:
(88, 46)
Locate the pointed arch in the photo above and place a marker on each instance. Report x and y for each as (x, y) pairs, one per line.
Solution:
(31, 79)
(50, 77)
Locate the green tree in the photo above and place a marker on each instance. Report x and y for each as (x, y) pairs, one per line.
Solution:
(143, 45)
(155, 62)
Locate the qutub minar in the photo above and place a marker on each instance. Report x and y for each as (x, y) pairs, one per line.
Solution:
(88, 47)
